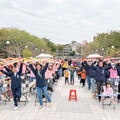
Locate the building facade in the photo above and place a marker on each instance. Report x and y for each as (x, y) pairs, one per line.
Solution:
(67, 49)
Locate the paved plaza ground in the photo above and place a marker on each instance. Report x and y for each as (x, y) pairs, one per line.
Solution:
(86, 108)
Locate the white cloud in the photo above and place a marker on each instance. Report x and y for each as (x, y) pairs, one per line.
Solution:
(88, 22)
(61, 20)
(56, 1)
(95, 3)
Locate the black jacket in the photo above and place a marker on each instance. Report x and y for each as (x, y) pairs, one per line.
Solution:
(40, 77)
(15, 79)
(100, 75)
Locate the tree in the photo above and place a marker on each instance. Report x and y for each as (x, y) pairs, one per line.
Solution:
(60, 48)
(106, 41)
(19, 39)
(79, 49)
(27, 53)
(50, 44)
(72, 53)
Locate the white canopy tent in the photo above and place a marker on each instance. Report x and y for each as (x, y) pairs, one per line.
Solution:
(94, 56)
(44, 56)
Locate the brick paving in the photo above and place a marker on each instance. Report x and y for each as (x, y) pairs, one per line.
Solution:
(86, 108)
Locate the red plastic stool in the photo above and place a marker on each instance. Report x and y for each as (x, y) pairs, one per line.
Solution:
(73, 96)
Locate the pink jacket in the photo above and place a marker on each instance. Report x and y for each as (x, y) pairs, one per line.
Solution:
(48, 73)
(24, 69)
(113, 73)
(31, 73)
(57, 66)
(108, 91)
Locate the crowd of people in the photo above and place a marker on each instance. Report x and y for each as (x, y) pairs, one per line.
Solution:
(39, 72)
(102, 76)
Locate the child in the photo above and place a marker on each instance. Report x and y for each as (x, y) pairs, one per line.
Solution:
(83, 76)
(72, 71)
(66, 76)
(107, 91)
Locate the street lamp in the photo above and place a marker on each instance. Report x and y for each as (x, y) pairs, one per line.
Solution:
(26, 46)
(35, 48)
(112, 46)
(103, 52)
(5, 52)
(7, 42)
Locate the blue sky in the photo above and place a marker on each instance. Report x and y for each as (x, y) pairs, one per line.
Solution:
(61, 20)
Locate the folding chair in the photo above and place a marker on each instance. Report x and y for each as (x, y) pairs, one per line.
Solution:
(32, 85)
(110, 103)
(25, 91)
(4, 94)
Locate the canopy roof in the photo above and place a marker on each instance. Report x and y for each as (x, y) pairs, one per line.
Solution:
(94, 56)
(44, 56)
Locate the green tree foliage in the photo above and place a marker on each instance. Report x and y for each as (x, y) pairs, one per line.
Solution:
(27, 52)
(50, 44)
(19, 39)
(60, 48)
(79, 49)
(106, 41)
(72, 53)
